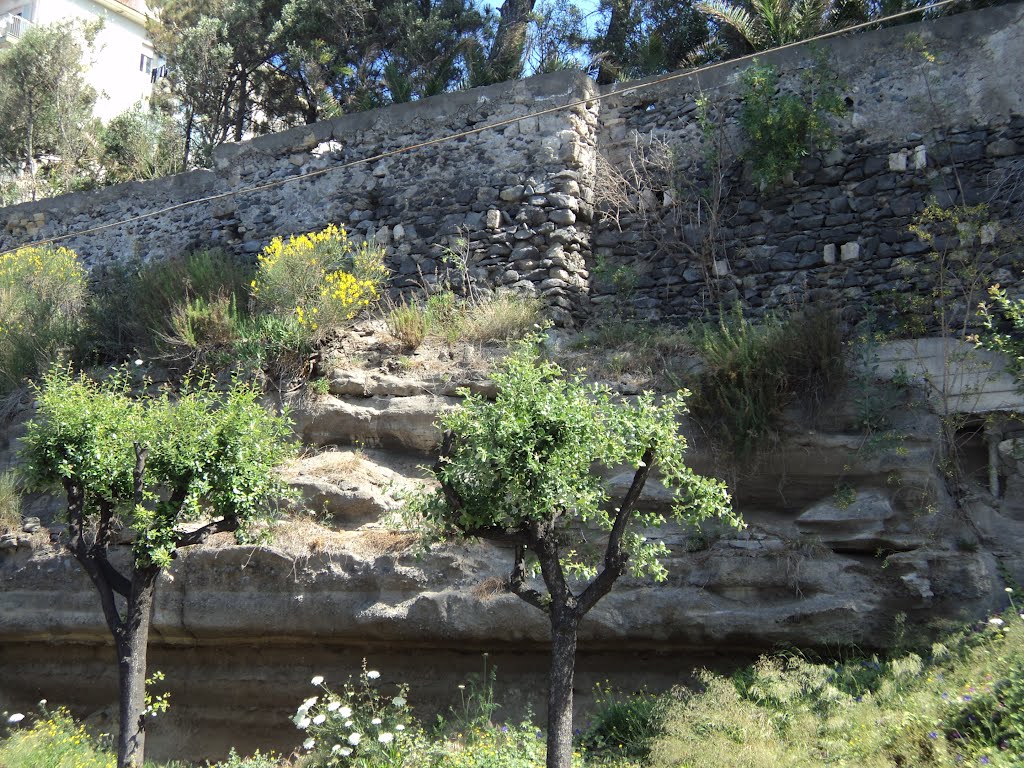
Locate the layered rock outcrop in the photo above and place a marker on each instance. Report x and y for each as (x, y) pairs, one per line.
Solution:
(846, 533)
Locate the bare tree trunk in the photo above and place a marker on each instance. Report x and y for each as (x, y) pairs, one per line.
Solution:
(188, 138)
(506, 56)
(615, 40)
(131, 643)
(243, 105)
(560, 680)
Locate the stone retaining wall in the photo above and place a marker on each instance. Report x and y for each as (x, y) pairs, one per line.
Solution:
(516, 203)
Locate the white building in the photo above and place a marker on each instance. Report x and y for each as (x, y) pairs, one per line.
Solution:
(123, 59)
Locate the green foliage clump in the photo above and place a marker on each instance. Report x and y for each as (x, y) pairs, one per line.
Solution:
(407, 322)
(1005, 334)
(168, 306)
(54, 740)
(319, 280)
(207, 451)
(42, 296)
(141, 144)
(530, 457)
(781, 127)
(256, 760)
(624, 725)
(753, 371)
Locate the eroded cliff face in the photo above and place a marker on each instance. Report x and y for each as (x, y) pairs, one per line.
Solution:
(847, 532)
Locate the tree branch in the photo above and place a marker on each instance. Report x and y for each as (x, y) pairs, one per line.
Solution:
(615, 559)
(517, 582)
(450, 494)
(542, 541)
(200, 535)
(85, 555)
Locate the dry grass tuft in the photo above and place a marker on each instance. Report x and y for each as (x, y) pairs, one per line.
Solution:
(10, 503)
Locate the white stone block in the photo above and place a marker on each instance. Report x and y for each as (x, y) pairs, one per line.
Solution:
(829, 253)
(849, 252)
(898, 161)
(720, 267)
(920, 157)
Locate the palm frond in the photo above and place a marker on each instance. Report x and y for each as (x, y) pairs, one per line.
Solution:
(736, 18)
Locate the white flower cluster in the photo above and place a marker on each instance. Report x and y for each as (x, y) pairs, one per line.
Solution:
(360, 719)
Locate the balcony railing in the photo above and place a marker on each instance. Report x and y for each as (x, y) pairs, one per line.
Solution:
(13, 27)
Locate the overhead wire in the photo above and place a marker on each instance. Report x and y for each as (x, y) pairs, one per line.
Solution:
(583, 102)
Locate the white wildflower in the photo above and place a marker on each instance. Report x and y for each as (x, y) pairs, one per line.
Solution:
(355, 738)
(399, 727)
(334, 706)
(995, 621)
(336, 748)
(398, 701)
(303, 723)
(309, 743)
(17, 717)
(375, 721)
(373, 674)
(386, 738)
(138, 362)
(319, 719)
(346, 751)
(318, 680)
(345, 712)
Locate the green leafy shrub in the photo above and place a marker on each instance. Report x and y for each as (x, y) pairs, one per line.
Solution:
(1005, 334)
(753, 371)
(782, 126)
(42, 295)
(625, 725)
(321, 280)
(55, 740)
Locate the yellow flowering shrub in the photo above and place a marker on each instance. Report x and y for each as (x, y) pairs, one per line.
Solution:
(319, 279)
(42, 297)
(53, 741)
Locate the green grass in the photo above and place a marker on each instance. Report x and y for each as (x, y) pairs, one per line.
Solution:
(445, 316)
(753, 371)
(959, 703)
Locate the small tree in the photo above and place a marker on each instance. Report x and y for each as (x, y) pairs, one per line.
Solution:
(162, 468)
(46, 105)
(525, 470)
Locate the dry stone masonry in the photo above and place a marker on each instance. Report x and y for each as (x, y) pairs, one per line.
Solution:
(935, 113)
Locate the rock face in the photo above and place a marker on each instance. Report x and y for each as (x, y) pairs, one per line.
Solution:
(844, 534)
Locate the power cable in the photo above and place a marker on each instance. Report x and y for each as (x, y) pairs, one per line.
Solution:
(480, 129)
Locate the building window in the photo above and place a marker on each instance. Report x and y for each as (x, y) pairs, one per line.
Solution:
(145, 64)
